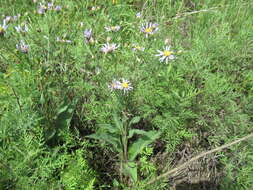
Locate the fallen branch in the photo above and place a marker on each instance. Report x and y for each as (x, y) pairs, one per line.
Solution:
(179, 168)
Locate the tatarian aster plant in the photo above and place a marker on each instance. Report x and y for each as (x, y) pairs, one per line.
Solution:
(166, 54)
(112, 28)
(149, 28)
(21, 46)
(107, 48)
(3, 27)
(125, 85)
(114, 85)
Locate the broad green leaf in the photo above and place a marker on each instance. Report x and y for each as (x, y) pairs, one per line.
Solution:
(108, 139)
(110, 128)
(136, 131)
(117, 122)
(130, 169)
(134, 120)
(141, 143)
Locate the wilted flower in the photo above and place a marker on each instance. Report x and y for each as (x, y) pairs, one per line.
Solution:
(3, 27)
(125, 85)
(166, 54)
(107, 48)
(21, 46)
(22, 29)
(137, 48)
(149, 28)
(88, 36)
(114, 85)
(112, 28)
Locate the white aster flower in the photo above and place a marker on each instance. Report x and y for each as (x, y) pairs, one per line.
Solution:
(3, 27)
(125, 85)
(50, 5)
(114, 85)
(107, 48)
(112, 28)
(149, 28)
(166, 54)
(88, 36)
(138, 15)
(57, 8)
(137, 48)
(21, 29)
(21, 46)
(41, 9)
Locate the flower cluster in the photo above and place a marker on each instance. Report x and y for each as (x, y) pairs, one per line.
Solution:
(123, 85)
(42, 8)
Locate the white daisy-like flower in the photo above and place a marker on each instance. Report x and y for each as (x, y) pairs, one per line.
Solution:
(137, 48)
(88, 36)
(107, 48)
(50, 5)
(149, 28)
(21, 29)
(57, 8)
(63, 40)
(166, 54)
(3, 27)
(125, 85)
(41, 9)
(21, 46)
(112, 28)
(114, 85)
(138, 15)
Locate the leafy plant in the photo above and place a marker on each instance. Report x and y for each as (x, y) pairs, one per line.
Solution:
(120, 136)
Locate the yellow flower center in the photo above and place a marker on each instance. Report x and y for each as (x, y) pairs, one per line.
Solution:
(148, 30)
(125, 85)
(1, 29)
(167, 53)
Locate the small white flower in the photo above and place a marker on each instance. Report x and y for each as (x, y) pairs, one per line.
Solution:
(125, 85)
(149, 28)
(57, 8)
(107, 48)
(22, 29)
(112, 28)
(138, 15)
(115, 85)
(8, 19)
(41, 9)
(3, 27)
(21, 46)
(137, 48)
(166, 54)
(88, 36)
(50, 5)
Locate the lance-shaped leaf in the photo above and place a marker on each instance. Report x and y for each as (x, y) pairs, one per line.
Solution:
(136, 131)
(141, 143)
(134, 120)
(130, 169)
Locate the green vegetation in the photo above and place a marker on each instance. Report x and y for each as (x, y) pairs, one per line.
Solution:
(103, 109)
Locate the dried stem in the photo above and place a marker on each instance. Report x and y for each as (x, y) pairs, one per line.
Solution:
(179, 168)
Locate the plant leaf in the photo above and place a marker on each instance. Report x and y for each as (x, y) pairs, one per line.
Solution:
(141, 143)
(130, 169)
(134, 120)
(136, 131)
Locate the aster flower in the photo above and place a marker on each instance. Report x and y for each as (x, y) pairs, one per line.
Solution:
(149, 28)
(41, 9)
(8, 19)
(107, 48)
(137, 48)
(21, 29)
(138, 15)
(166, 54)
(57, 8)
(3, 27)
(114, 85)
(21, 46)
(63, 40)
(88, 36)
(112, 28)
(125, 85)
(50, 5)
